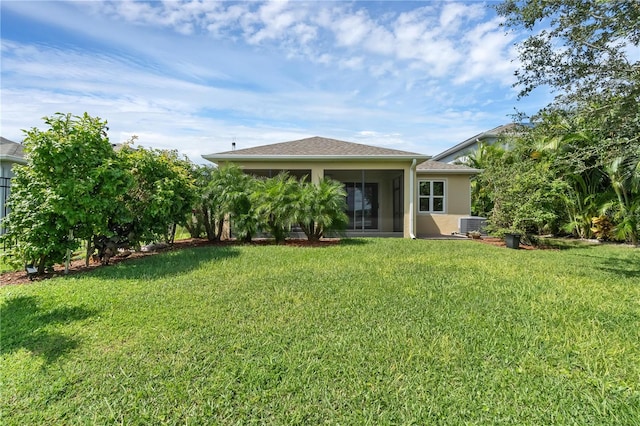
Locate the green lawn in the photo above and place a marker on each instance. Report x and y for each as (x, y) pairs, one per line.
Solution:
(385, 331)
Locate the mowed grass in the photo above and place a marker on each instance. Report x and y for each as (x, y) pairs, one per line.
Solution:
(371, 331)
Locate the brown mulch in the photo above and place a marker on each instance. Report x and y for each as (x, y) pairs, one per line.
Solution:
(78, 266)
(498, 242)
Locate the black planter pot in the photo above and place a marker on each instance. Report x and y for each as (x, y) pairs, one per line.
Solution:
(512, 240)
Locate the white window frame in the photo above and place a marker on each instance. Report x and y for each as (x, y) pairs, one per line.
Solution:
(431, 196)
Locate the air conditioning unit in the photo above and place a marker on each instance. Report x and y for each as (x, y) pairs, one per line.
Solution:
(472, 223)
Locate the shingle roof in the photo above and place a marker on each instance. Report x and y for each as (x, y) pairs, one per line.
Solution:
(10, 149)
(314, 147)
(440, 167)
(493, 133)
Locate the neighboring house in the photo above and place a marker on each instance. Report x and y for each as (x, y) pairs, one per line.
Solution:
(389, 192)
(10, 153)
(460, 151)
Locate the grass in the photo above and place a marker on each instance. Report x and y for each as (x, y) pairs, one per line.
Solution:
(370, 331)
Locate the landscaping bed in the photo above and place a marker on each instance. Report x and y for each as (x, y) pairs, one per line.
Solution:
(79, 265)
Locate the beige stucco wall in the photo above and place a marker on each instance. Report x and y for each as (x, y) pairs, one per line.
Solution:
(457, 205)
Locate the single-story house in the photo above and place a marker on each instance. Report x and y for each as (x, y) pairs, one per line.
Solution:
(460, 151)
(389, 192)
(10, 153)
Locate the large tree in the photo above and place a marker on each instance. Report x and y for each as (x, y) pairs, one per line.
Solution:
(581, 48)
(586, 51)
(65, 191)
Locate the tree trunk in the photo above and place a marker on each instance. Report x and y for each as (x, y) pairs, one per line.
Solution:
(41, 264)
(171, 234)
(90, 249)
(208, 228)
(220, 224)
(306, 230)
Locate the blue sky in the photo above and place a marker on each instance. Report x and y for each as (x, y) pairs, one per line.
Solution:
(197, 75)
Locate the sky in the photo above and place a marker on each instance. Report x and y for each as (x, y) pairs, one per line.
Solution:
(195, 76)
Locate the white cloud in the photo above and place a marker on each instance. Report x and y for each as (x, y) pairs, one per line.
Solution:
(351, 30)
(352, 63)
(490, 56)
(263, 72)
(453, 15)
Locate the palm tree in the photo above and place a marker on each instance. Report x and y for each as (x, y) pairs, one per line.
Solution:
(321, 207)
(275, 202)
(229, 195)
(481, 195)
(624, 174)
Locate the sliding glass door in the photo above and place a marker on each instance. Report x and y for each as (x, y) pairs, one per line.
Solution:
(362, 205)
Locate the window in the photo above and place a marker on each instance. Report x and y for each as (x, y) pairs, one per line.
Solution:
(431, 196)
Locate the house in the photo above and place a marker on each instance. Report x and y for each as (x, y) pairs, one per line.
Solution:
(460, 151)
(10, 153)
(389, 192)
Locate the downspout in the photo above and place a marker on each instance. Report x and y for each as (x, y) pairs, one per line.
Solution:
(412, 195)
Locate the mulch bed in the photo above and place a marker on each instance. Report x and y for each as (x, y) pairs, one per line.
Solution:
(78, 266)
(498, 242)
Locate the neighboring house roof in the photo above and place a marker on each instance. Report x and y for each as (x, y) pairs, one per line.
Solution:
(314, 148)
(431, 166)
(463, 146)
(11, 151)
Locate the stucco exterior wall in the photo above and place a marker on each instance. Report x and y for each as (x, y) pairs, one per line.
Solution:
(457, 205)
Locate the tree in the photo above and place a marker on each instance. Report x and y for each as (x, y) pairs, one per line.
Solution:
(483, 157)
(202, 219)
(65, 191)
(624, 173)
(231, 190)
(526, 198)
(321, 207)
(160, 197)
(581, 50)
(579, 47)
(276, 203)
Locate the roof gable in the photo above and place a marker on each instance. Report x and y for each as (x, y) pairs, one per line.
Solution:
(492, 134)
(313, 148)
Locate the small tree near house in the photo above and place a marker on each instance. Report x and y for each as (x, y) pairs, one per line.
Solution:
(66, 190)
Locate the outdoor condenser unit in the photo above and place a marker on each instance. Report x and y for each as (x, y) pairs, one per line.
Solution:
(472, 223)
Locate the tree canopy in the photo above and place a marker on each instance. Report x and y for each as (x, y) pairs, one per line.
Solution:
(583, 149)
(65, 191)
(581, 48)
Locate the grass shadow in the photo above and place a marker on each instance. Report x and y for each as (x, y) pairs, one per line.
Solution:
(166, 264)
(627, 268)
(563, 244)
(24, 324)
(354, 242)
